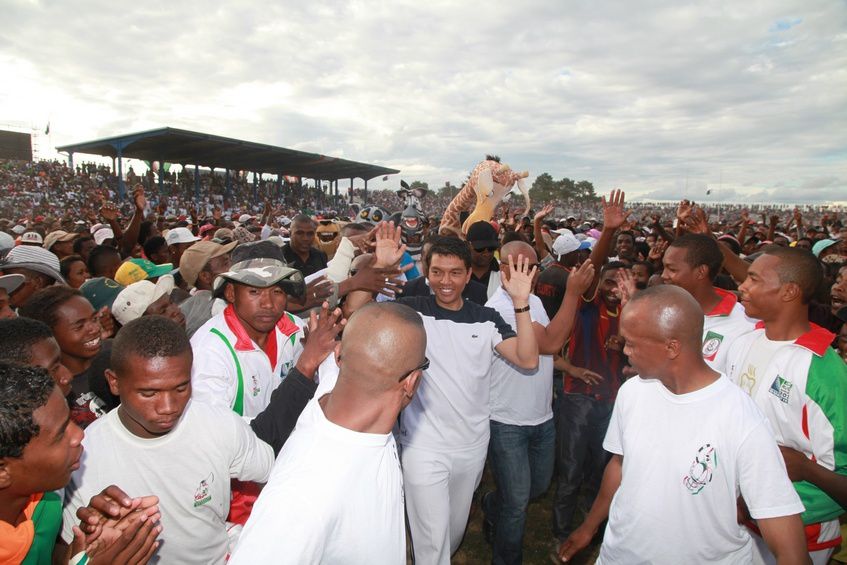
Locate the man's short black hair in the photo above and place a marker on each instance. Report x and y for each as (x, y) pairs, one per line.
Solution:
(79, 242)
(23, 390)
(302, 219)
(798, 266)
(700, 250)
(612, 266)
(647, 265)
(44, 304)
(65, 264)
(454, 246)
(18, 335)
(98, 257)
(153, 245)
(148, 337)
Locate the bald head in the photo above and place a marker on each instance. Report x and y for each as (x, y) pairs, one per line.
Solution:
(515, 248)
(381, 342)
(666, 312)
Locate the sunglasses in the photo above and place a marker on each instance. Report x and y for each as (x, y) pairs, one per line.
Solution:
(489, 249)
(422, 367)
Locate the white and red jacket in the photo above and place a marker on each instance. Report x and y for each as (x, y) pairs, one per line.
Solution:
(231, 370)
(803, 394)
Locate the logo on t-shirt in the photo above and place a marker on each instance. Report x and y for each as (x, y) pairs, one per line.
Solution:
(700, 473)
(711, 344)
(255, 389)
(202, 495)
(781, 388)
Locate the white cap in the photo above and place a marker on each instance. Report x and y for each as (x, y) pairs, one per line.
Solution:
(18, 229)
(131, 303)
(244, 218)
(96, 227)
(567, 243)
(32, 237)
(180, 235)
(102, 235)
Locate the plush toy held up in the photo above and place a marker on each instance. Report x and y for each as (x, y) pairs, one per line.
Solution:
(489, 182)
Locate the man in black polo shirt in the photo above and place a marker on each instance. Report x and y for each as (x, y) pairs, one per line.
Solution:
(299, 252)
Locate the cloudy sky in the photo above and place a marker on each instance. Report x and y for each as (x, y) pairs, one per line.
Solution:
(661, 98)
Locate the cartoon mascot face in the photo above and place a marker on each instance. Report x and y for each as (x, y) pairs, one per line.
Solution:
(327, 237)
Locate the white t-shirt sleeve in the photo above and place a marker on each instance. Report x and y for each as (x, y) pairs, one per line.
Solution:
(253, 457)
(613, 442)
(73, 501)
(762, 477)
(214, 378)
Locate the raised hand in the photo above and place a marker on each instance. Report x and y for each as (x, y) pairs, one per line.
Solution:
(364, 242)
(519, 283)
(683, 210)
(579, 281)
(324, 328)
(138, 197)
(657, 251)
(109, 211)
(614, 213)
(544, 212)
(386, 280)
(697, 222)
(388, 249)
(626, 285)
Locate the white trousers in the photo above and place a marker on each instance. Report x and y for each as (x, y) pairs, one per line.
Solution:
(439, 489)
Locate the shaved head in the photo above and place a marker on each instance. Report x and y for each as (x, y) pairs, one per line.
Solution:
(667, 312)
(515, 248)
(381, 342)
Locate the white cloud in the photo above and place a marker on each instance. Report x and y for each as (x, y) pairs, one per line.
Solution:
(749, 97)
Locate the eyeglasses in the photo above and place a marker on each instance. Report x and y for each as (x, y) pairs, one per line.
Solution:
(489, 249)
(422, 367)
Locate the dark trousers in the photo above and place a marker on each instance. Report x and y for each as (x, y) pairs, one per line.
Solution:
(581, 423)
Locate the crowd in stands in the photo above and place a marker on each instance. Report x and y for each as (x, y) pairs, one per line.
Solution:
(292, 379)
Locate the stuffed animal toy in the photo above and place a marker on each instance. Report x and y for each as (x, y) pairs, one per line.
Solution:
(488, 183)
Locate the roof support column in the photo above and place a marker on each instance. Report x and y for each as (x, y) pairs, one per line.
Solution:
(365, 198)
(71, 160)
(196, 182)
(121, 186)
(161, 177)
(228, 185)
(350, 191)
(256, 186)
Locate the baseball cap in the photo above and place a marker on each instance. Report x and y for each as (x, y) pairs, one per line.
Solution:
(101, 291)
(568, 243)
(817, 248)
(58, 236)
(32, 237)
(265, 249)
(244, 218)
(263, 273)
(18, 229)
(10, 283)
(195, 258)
(206, 228)
(223, 235)
(136, 270)
(242, 235)
(180, 235)
(102, 235)
(132, 301)
(481, 235)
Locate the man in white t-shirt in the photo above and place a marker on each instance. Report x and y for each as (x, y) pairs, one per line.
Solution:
(336, 493)
(160, 442)
(692, 262)
(523, 436)
(686, 442)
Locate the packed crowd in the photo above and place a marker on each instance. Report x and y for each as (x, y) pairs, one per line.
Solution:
(279, 383)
